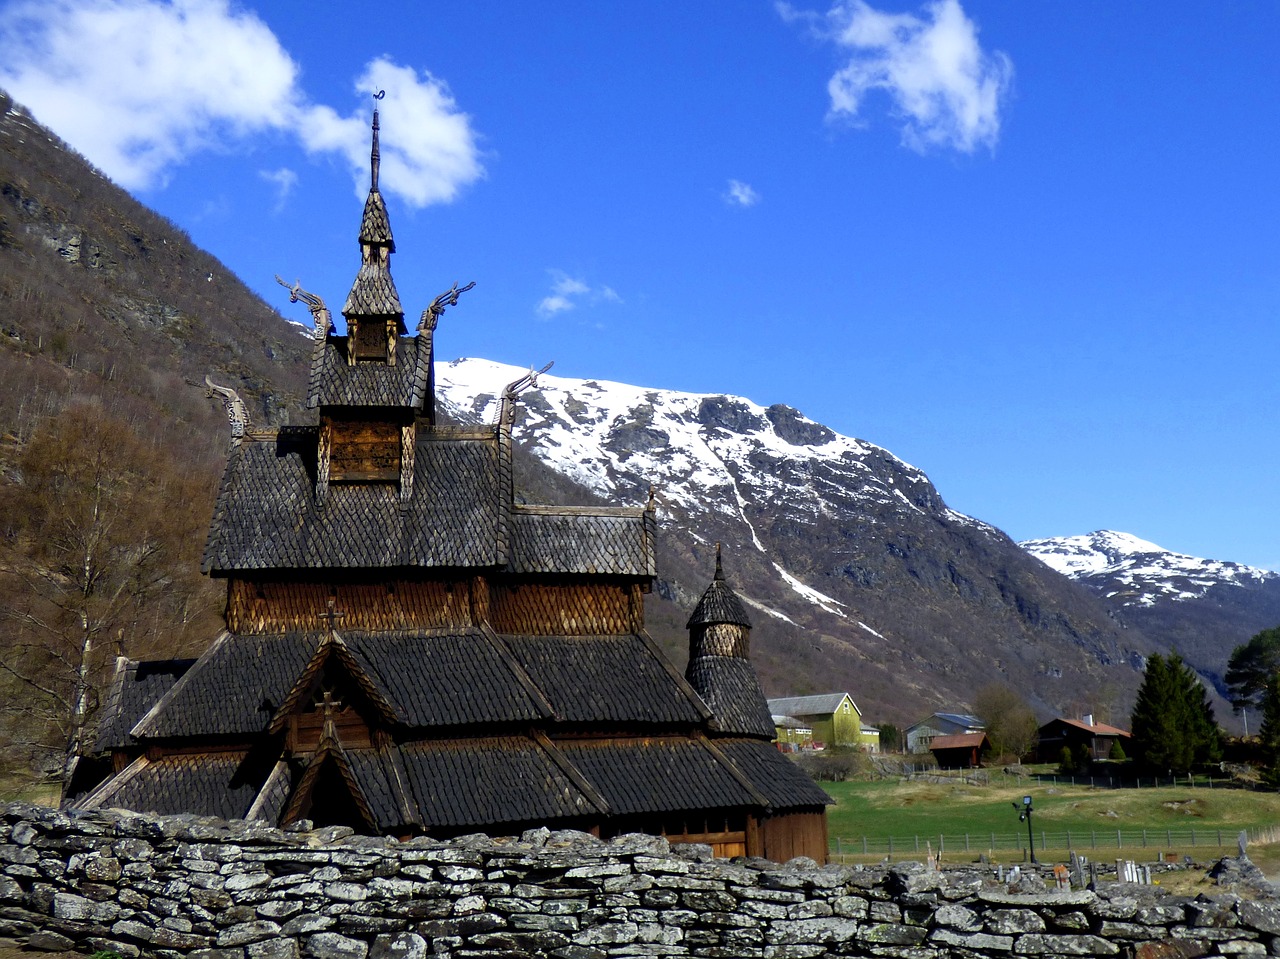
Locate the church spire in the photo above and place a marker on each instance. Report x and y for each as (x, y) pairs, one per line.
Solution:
(374, 315)
(375, 158)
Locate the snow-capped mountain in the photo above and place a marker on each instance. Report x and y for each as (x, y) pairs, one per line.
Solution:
(708, 455)
(1135, 572)
(1200, 608)
(865, 579)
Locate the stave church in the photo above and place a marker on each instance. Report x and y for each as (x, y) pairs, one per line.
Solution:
(409, 651)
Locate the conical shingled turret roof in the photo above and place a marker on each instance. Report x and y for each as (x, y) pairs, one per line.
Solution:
(719, 604)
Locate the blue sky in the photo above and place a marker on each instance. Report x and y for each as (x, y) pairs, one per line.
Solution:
(1031, 248)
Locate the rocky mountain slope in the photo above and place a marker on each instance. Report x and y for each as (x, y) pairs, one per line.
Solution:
(1203, 608)
(860, 576)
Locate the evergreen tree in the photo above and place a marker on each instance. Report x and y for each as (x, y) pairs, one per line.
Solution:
(1251, 667)
(1173, 724)
(1269, 734)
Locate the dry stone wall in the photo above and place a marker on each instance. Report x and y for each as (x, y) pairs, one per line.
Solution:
(209, 889)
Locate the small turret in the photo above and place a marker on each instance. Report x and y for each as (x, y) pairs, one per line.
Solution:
(719, 661)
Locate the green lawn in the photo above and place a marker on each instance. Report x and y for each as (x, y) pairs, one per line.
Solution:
(905, 809)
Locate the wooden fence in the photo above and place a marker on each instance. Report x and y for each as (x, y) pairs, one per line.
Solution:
(1170, 842)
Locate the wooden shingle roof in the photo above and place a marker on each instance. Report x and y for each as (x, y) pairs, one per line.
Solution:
(546, 539)
(210, 784)
(731, 690)
(484, 782)
(335, 382)
(607, 679)
(783, 783)
(134, 689)
(373, 293)
(267, 516)
(719, 603)
(234, 689)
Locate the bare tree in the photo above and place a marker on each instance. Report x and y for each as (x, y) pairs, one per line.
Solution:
(101, 538)
(1011, 725)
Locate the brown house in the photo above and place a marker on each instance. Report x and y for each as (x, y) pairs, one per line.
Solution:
(409, 650)
(1098, 738)
(960, 751)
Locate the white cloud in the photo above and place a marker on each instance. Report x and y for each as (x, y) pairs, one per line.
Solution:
(138, 86)
(741, 194)
(945, 89)
(284, 180)
(567, 292)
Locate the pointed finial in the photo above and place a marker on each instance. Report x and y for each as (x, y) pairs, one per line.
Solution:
(375, 158)
(719, 577)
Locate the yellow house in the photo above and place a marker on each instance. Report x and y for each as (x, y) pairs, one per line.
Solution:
(827, 719)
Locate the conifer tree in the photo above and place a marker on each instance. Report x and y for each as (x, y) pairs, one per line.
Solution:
(1173, 724)
(1269, 734)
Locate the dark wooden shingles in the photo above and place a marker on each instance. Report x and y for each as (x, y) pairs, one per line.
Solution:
(484, 782)
(135, 688)
(781, 781)
(657, 775)
(207, 785)
(443, 679)
(232, 690)
(335, 382)
(580, 542)
(731, 689)
(267, 518)
(614, 679)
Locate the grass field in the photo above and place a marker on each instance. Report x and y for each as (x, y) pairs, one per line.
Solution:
(903, 810)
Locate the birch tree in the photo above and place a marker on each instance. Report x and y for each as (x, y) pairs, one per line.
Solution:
(101, 541)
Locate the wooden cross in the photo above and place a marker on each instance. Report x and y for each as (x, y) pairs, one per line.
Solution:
(329, 704)
(331, 614)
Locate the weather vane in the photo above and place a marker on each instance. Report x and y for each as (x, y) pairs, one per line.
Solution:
(380, 94)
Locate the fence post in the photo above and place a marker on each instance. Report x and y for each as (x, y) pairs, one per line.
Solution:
(1168, 838)
(966, 842)
(1144, 839)
(1093, 838)
(1119, 840)
(890, 845)
(917, 843)
(1069, 846)
(864, 845)
(839, 850)
(993, 842)
(1193, 835)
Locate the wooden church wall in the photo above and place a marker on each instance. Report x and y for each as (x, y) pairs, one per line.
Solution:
(538, 609)
(579, 609)
(269, 607)
(792, 834)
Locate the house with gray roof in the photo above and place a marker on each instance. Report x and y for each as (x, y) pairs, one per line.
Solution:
(920, 735)
(825, 719)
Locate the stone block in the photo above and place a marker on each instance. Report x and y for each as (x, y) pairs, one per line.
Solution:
(241, 881)
(982, 942)
(67, 905)
(1013, 921)
(243, 933)
(331, 945)
(281, 948)
(309, 923)
(609, 933)
(405, 945)
(1037, 944)
(1171, 949)
(835, 930)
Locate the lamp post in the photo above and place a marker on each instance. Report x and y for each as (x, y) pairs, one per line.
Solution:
(1024, 814)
